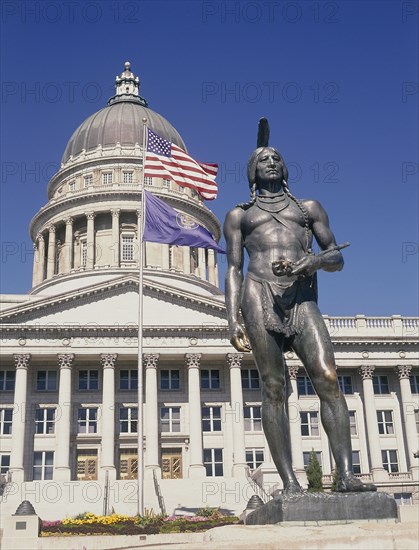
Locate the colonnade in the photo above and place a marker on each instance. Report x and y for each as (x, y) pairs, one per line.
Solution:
(80, 250)
(62, 459)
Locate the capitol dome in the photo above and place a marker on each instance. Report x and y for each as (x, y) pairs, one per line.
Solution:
(121, 122)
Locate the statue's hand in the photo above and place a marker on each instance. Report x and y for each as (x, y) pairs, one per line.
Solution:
(308, 265)
(240, 340)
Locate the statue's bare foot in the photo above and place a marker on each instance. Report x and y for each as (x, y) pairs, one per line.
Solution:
(351, 484)
(292, 488)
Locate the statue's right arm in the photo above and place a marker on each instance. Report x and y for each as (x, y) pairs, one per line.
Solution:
(234, 278)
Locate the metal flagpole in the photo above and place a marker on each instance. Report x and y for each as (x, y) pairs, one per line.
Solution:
(140, 423)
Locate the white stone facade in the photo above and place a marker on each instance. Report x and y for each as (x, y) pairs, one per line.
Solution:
(69, 408)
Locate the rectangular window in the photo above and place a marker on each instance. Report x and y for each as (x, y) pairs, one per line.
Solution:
(380, 384)
(128, 379)
(6, 416)
(128, 464)
(252, 418)
(44, 420)
(210, 379)
(254, 458)
(385, 422)
(87, 420)
(304, 386)
(7, 380)
(88, 380)
(170, 419)
(356, 462)
(107, 178)
(128, 417)
(148, 180)
(170, 379)
(127, 248)
(83, 253)
(352, 423)
(403, 498)
(88, 181)
(211, 419)
(86, 464)
(306, 458)
(166, 183)
(128, 177)
(345, 385)
(309, 424)
(43, 465)
(414, 383)
(72, 186)
(46, 380)
(390, 462)
(213, 462)
(4, 463)
(250, 379)
(417, 420)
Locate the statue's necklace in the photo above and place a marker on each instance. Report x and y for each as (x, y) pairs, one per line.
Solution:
(272, 204)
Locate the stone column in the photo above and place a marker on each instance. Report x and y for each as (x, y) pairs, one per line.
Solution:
(51, 252)
(36, 262)
(211, 266)
(165, 256)
(41, 254)
(196, 465)
(186, 260)
(68, 248)
(62, 471)
(115, 238)
(295, 427)
(240, 467)
(152, 422)
(408, 407)
(374, 446)
(90, 236)
(107, 456)
(202, 272)
(17, 471)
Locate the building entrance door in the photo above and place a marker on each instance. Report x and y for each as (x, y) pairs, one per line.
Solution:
(171, 463)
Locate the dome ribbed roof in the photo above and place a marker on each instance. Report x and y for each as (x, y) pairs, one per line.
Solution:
(120, 122)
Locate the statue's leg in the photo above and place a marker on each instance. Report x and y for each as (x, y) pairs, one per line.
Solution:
(268, 355)
(314, 347)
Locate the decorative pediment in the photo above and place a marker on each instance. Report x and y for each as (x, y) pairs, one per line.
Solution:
(116, 302)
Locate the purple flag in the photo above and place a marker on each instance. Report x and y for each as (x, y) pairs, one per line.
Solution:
(164, 225)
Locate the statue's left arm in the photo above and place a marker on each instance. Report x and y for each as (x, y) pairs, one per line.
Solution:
(319, 223)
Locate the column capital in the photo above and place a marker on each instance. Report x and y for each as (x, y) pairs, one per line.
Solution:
(115, 212)
(150, 360)
(69, 221)
(293, 371)
(22, 360)
(51, 228)
(108, 360)
(90, 215)
(366, 372)
(193, 360)
(65, 360)
(403, 371)
(234, 360)
(138, 211)
(39, 237)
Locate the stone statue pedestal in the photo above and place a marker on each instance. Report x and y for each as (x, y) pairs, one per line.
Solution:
(319, 507)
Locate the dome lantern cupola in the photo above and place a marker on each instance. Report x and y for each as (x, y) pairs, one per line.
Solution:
(127, 87)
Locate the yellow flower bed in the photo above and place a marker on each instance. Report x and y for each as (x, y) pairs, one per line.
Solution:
(90, 519)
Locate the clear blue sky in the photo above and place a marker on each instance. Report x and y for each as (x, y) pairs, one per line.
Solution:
(337, 80)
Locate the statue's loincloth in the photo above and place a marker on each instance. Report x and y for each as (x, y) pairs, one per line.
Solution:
(283, 304)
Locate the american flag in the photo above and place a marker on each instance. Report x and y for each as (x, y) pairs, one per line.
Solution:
(166, 160)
